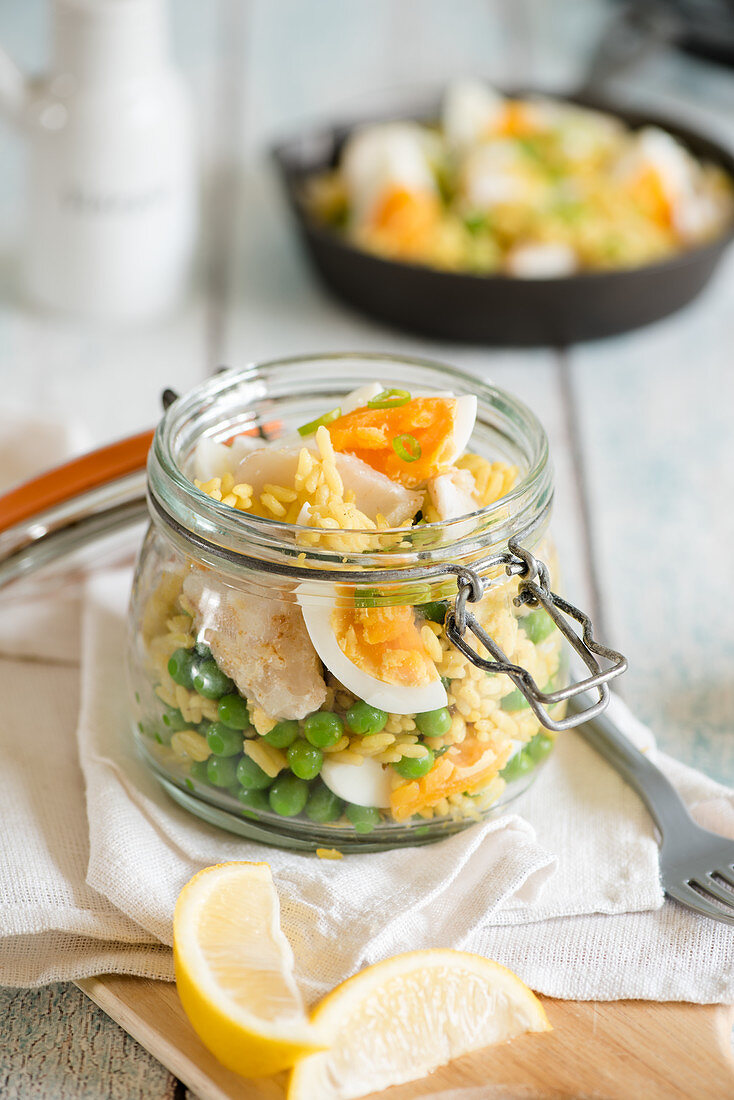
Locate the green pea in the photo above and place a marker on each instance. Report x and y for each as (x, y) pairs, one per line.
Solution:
(283, 734)
(434, 723)
(181, 667)
(305, 760)
(363, 818)
(251, 776)
(210, 681)
(323, 728)
(221, 771)
(537, 625)
(540, 746)
(198, 771)
(253, 799)
(323, 805)
(413, 767)
(434, 611)
(232, 710)
(517, 701)
(288, 795)
(203, 651)
(174, 720)
(519, 765)
(364, 719)
(222, 740)
(514, 701)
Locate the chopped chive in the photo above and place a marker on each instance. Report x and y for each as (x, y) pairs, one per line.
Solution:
(313, 425)
(389, 399)
(406, 447)
(368, 597)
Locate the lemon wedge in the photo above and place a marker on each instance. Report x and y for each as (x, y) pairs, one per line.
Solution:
(234, 971)
(398, 1020)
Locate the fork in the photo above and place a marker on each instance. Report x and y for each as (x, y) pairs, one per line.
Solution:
(696, 865)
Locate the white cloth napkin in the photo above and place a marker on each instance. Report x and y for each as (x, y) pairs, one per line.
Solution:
(578, 915)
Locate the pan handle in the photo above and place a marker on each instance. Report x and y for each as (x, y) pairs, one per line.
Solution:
(635, 33)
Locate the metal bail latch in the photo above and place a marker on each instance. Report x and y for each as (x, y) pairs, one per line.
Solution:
(535, 593)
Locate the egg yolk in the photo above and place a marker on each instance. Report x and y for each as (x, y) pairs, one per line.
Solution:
(648, 191)
(516, 120)
(385, 643)
(374, 434)
(405, 219)
(463, 768)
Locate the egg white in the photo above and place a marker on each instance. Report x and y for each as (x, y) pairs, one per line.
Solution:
(393, 698)
(365, 784)
(464, 421)
(466, 416)
(378, 157)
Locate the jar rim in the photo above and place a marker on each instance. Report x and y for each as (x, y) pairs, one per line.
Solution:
(237, 534)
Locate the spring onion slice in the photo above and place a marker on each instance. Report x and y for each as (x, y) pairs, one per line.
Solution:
(406, 447)
(313, 425)
(389, 399)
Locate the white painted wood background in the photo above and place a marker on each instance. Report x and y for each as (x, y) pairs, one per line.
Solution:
(640, 426)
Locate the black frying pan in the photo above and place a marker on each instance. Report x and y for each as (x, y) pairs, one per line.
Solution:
(498, 309)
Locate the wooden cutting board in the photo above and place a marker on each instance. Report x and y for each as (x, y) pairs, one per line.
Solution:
(621, 1050)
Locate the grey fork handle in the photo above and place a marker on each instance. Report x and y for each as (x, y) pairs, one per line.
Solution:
(666, 807)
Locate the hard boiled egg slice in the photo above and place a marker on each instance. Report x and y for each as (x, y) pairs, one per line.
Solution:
(471, 112)
(365, 784)
(464, 421)
(358, 398)
(381, 159)
(660, 173)
(409, 443)
(376, 653)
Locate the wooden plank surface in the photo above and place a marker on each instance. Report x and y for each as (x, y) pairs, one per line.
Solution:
(614, 1051)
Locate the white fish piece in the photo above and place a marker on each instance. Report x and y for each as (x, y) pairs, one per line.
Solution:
(365, 784)
(268, 466)
(496, 173)
(261, 643)
(544, 260)
(470, 110)
(373, 492)
(378, 157)
(452, 494)
(213, 459)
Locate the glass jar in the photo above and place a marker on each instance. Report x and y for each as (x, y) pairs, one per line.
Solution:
(337, 688)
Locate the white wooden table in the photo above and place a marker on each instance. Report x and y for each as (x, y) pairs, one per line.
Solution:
(640, 426)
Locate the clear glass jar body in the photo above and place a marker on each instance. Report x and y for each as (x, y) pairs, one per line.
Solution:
(247, 707)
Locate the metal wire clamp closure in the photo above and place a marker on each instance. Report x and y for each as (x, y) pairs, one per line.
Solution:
(534, 590)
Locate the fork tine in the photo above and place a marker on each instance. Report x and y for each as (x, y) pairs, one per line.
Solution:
(721, 893)
(726, 873)
(686, 895)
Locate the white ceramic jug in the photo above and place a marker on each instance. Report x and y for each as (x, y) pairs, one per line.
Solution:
(112, 202)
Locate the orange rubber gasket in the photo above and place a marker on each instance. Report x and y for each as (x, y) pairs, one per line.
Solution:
(65, 482)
